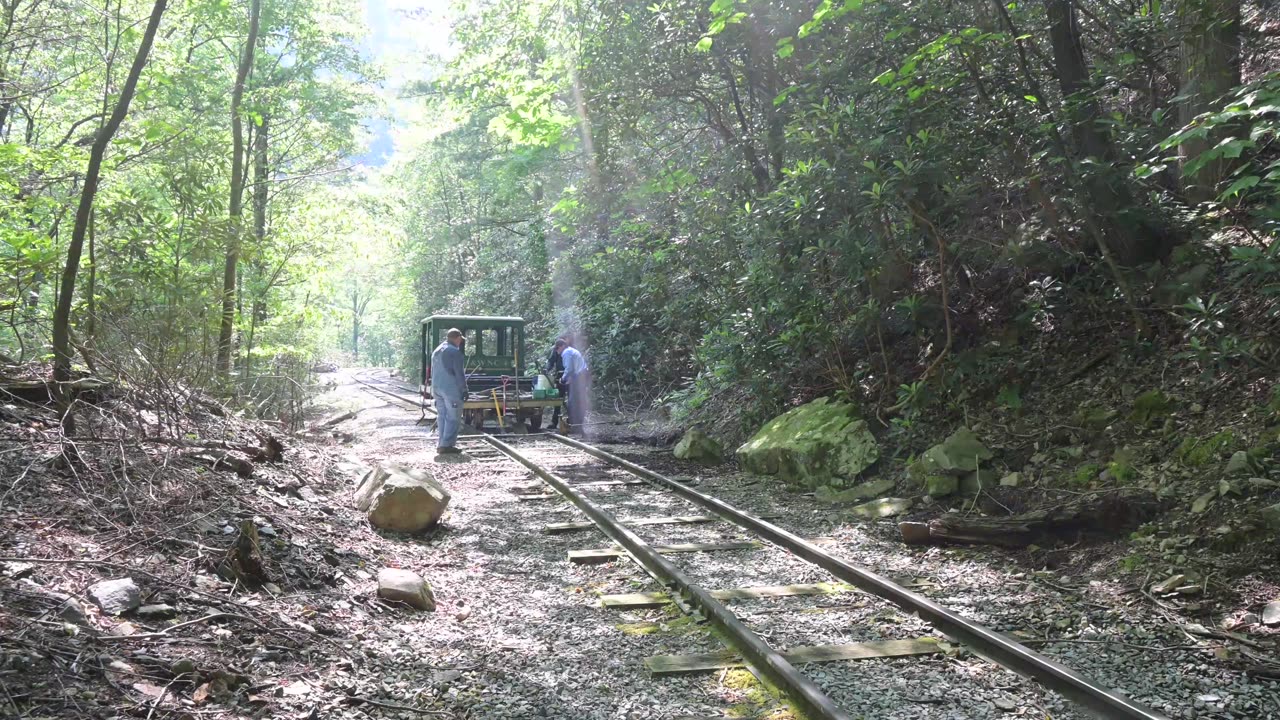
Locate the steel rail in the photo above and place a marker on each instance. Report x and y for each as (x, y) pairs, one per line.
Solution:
(812, 702)
(998, 648)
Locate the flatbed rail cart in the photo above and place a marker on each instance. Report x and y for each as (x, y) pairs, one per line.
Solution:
(495, 388)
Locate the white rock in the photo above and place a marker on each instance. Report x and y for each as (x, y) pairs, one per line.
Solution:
(401, 499)
(407, 587)
(115, 597)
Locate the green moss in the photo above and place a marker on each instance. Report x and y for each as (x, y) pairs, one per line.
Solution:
(1086, 474)
(1095, 419)
(640, 628)
(740, 679)
(1121, 465)
(678, 626)
(1150, 408)
(1195, 452)
(821, 443)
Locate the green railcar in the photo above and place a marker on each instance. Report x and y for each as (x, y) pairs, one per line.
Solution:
(495, 349)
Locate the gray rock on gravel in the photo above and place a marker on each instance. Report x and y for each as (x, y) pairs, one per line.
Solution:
(863, 491)
(401, 499)
(160, 611)
(698, 446)
(882, 508)
(1271, 613)
(407, 587)
(115, 597)
(1270, 516)
(1239, 463)
(73, 612)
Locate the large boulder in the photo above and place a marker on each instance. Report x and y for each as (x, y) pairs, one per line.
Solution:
(401, 499)
(699, 447)
(407, 587)
(820, 443)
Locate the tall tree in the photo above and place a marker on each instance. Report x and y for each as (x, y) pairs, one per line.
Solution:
(1123, 226)
(84, 212)
(1209, 67)
(235, 205)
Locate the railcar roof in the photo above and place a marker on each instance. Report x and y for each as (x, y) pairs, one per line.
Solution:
(474, 320)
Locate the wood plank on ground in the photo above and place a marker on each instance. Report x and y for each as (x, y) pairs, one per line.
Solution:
(672, 664)
(541, 489)
(602, 555)
(658, 599)
(554, 528)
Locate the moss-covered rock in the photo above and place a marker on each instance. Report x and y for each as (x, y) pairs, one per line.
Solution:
(941, 485)
(959, 454)
(978, 480)
(699, 447)
(820, 443)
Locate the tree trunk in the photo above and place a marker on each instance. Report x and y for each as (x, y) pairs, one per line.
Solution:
(234, 205)
(260, 198)
(62, 315)
(1122, 222)
(355, 322)
(1073, 77)
(1209, 68)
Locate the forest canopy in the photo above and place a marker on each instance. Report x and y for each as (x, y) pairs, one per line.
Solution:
(733, 204)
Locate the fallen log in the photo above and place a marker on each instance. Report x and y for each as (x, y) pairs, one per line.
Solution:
(332, 420)
(271, 450)
(1113, 512)
(221, 461)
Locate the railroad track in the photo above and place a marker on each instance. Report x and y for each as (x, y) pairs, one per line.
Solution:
(570, 469)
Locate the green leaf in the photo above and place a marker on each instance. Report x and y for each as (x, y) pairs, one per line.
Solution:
(1240, 185)
(1031, 98)
(704, 45)
(885, 78)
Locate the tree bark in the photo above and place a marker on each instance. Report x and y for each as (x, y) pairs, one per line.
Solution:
(261, 170)
(62, 314)
(1073, 77)
(235, 203)
(1209, 68)
(1129, 236)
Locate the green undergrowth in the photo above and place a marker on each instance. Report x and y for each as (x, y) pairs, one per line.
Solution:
(1197, 452)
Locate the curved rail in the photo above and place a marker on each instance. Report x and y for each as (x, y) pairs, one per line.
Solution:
(997, 648)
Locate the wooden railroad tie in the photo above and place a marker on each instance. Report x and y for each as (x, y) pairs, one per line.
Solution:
(554, 528)
(674, 664)
(603, 555)
(530, 492)
(658, 599)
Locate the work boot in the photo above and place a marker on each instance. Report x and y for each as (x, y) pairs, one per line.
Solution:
(448, 451)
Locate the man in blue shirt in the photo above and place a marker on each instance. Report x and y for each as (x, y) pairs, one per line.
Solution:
(575, 381)
(448, 387)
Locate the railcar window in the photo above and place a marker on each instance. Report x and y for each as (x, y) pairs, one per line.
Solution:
(489, 342)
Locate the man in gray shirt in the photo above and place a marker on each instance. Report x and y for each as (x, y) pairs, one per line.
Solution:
(448, 387)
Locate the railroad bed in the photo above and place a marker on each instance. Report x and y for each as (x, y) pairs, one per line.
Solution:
(839, 640)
